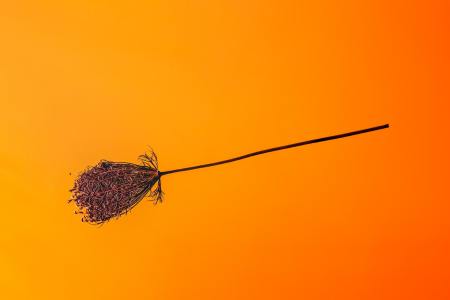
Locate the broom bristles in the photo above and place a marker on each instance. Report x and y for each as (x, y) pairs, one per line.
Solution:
(111, 189)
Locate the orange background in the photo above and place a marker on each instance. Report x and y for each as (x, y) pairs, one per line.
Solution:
(361, 218)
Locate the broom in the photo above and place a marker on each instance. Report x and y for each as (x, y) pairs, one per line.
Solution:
(111, 189)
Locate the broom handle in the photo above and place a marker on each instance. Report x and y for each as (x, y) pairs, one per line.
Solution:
(323, 139)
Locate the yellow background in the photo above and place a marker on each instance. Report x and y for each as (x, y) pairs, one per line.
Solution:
(361, 218)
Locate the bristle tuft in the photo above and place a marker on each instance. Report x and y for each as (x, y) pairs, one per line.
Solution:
(111, 189)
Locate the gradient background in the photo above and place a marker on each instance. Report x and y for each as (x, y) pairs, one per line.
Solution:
(361, 218)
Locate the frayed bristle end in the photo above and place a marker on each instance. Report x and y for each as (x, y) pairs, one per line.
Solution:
(111, 189)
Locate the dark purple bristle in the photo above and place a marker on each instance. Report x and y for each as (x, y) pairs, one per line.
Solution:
(111, 189)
